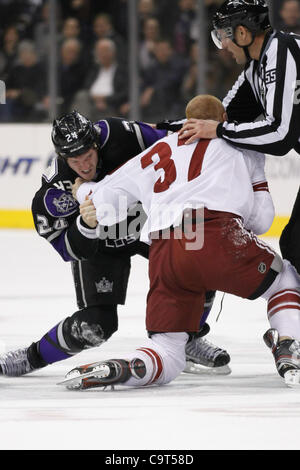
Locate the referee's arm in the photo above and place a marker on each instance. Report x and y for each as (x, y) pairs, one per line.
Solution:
(279, 131)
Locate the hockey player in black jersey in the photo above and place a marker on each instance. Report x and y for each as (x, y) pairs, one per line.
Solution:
(100, 265)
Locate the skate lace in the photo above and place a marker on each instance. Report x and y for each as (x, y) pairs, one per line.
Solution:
(202, 347)
(15, 363)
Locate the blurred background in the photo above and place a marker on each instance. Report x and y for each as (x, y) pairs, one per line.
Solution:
(138, 59)
(141, 59)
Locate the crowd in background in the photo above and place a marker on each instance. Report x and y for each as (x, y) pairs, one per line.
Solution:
(92, 65)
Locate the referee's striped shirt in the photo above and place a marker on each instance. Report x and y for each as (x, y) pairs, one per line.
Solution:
(263, 107)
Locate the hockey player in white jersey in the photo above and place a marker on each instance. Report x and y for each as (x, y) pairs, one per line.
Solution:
(214, 250)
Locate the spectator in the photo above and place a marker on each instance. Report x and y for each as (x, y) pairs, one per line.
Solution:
(162, 84)
(71, 74)
(25, 86)
(146, 9)
(8, 54)
(189, 83)
(290, 16)
(41, 30)
(119, 11)
(103, 29)
(71, 28)
(89, 22)
(106, 86)
(80, 9)
(221, 73)
(183, 26)
(86, 10)
(151, 35)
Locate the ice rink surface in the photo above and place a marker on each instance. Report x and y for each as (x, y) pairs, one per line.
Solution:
(249, 409)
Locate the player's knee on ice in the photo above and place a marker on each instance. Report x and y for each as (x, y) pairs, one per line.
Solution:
(90, 327)
(172, 347)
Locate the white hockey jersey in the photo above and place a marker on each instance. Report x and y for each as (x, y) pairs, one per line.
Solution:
(169, 177)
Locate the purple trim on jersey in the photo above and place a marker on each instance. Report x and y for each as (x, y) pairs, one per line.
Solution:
(151, 135)
(49, 352)
(60, 203)
(60, 246)
(104, 131)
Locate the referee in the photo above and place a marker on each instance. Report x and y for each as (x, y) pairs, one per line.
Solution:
(263, 106)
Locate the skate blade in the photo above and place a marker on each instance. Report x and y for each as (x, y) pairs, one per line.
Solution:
(76, 380)
(192, 368)
(292, 378)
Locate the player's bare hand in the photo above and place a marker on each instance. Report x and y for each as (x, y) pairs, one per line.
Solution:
(75, 186)
(194, 129)
(88, 212)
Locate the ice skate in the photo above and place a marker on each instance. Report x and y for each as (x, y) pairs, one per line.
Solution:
(102, 374)
(15, 363)
(287, 357)
(204, 357)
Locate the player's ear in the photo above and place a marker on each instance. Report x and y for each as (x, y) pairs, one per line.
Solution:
(224, 117)
(242, 35)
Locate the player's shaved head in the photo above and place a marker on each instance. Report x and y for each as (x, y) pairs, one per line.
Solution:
(205, 107)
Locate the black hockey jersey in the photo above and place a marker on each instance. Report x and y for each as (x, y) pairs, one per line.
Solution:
(55, 211)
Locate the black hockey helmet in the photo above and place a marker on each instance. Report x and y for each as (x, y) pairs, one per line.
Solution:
(73, 134)
(253, 14)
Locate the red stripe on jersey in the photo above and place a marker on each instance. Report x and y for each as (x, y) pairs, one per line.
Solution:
(197, 159)
(283, 307)
(284, 291)
(156, 361)
(286, 296)
(263, 186)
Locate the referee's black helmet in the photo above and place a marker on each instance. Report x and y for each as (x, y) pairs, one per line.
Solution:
(253, 14)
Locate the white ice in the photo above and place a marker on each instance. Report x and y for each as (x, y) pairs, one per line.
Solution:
(249, 409)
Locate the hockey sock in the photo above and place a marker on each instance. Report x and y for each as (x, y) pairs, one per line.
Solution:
(164, 358)
(284, 313)
(52, 347)
(283, 298)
